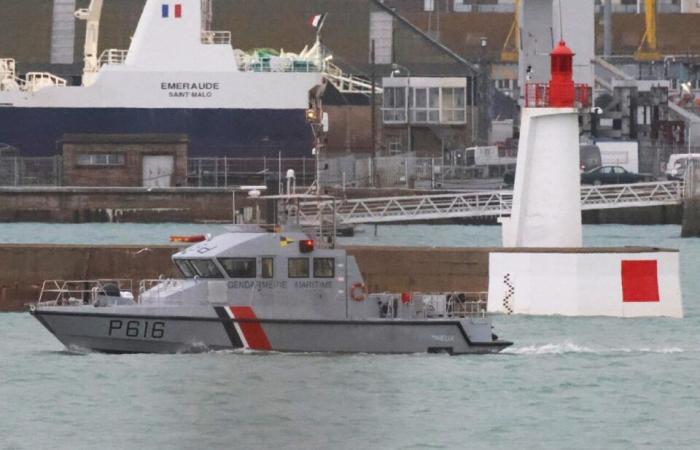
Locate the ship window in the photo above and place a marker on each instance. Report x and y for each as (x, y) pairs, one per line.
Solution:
(324, 267)
(239, 267)
(298, 267)
(101, 159)
(206, 268)
(268, 267)
(185, 268)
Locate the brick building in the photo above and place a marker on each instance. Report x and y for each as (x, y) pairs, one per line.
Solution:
(125, 160)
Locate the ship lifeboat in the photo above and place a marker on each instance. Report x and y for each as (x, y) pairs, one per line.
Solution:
(188, 239)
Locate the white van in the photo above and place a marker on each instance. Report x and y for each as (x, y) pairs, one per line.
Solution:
(677, 163)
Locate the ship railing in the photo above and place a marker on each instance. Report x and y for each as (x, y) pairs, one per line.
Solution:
(216, 37)
(9, 81)
(278, 64)
(81, 292)
(113, 56)
(36, 81)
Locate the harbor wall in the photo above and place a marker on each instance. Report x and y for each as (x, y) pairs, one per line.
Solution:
(141, 205)
(80, 205)
(23, 268)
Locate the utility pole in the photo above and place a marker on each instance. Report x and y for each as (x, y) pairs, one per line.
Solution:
(373, 100)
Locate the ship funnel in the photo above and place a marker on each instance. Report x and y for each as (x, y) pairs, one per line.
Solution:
(170, 37)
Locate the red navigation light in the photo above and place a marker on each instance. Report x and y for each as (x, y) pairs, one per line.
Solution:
(306, 246)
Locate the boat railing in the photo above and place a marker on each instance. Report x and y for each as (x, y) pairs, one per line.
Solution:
(112, 56)
(451, 304)
(216, 37)
(158, 287)
(81, 292)
(431, 305)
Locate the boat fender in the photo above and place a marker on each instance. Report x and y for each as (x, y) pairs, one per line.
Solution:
(358, 292)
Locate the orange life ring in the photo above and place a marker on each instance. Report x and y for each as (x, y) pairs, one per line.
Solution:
(358, 292)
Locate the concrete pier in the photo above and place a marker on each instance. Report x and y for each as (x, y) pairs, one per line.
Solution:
(691, 201)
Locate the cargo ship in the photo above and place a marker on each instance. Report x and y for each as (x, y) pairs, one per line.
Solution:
(176, 77)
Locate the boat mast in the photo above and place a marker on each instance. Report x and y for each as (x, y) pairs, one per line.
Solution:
(92, 33)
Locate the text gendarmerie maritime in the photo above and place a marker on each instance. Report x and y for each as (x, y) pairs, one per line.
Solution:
(278, 284)
(186, 90)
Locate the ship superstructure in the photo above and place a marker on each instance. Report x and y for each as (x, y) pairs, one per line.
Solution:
(176, 77)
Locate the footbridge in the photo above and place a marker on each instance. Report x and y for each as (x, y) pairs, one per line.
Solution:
(421, 208)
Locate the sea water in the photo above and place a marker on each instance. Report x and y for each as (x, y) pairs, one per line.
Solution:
(567, 383)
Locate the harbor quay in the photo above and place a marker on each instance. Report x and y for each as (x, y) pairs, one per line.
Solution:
(190, 205)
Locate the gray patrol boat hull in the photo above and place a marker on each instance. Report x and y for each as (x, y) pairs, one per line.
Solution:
(167, 330)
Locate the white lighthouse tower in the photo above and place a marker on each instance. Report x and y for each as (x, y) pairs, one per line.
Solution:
(544, 268)
(547, 192)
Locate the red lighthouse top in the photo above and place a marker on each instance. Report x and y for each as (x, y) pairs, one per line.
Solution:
(561, 86)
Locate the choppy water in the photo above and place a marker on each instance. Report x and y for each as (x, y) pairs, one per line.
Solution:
(575, 383)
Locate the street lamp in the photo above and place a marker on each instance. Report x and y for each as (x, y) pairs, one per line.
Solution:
(396, 70)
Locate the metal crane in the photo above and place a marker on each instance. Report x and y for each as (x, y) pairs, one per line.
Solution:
(92, 33)
(511, 47)
(648, 50)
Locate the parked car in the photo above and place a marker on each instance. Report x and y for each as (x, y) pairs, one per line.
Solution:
(612, 175)
(678, 163)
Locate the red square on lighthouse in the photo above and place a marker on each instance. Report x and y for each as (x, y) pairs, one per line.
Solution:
(640, 281)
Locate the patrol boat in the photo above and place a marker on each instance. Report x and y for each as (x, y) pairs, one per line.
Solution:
(268, 291)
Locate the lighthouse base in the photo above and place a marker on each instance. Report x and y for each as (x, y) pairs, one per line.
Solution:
(624, 282)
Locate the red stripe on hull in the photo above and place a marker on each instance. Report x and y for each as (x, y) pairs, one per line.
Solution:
(253, 331)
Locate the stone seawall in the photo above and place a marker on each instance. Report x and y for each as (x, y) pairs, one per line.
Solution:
(23, 268)
(140, 205)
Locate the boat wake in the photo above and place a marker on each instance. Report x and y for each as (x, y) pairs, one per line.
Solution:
(570, 347)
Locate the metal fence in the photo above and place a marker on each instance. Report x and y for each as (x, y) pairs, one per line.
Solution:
(39, 171)
(225, 172)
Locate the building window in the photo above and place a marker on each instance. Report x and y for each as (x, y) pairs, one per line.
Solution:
(298, 268)
(393, 145)
(101, 159)
(268, 267)
(206, 268)
(324, 267)
(453, 106)
(394, 105)
(239, 267)
(426, 105)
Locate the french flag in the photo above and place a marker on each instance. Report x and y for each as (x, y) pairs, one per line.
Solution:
(317, 20)
(177, 10)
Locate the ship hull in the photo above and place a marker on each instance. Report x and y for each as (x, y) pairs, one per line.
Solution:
(151, 330)
(248, 133)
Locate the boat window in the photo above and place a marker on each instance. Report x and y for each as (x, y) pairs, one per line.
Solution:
(268, 267)
(298, 268)
(324, 267)
(185, 268)
(206, 268)
(239, 267)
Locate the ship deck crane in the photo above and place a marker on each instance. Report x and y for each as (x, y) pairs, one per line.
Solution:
(92, 16)
(648, 50)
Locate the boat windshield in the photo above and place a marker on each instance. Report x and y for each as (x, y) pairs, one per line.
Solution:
(205, 268)
(185, 268)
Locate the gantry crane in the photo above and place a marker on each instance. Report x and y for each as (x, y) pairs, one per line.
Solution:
(648, 50)
(511, 47)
